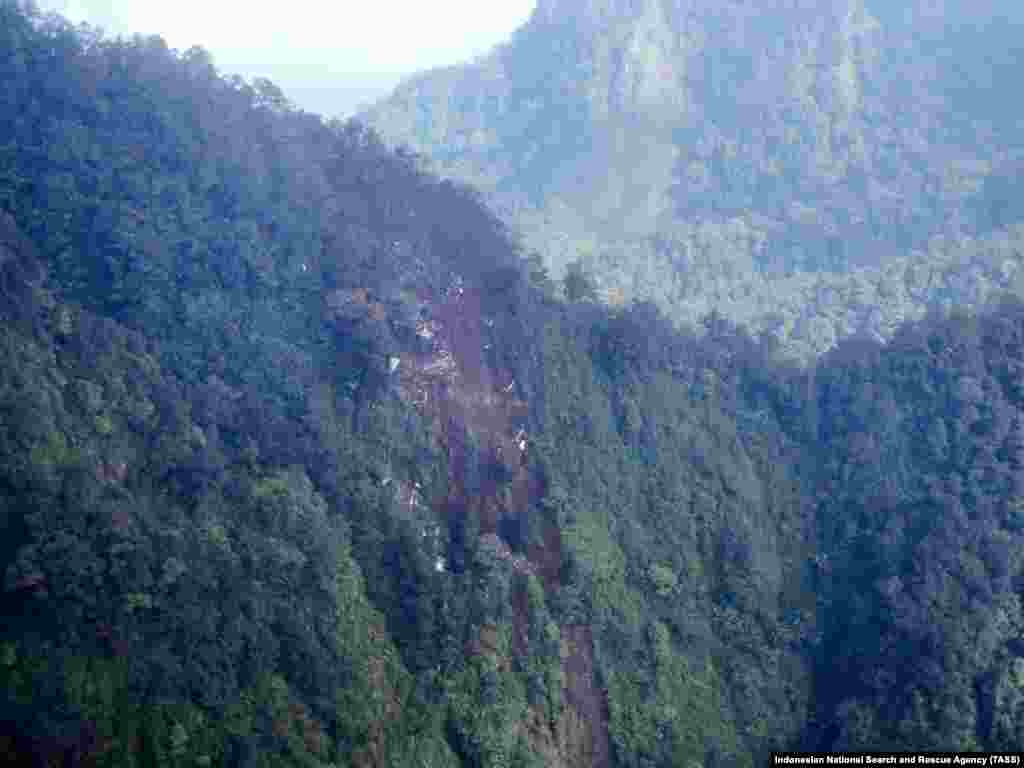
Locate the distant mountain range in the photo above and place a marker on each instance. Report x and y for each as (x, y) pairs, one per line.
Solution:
(750, 157)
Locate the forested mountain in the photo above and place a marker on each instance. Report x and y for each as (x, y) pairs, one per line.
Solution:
(303, 464)
(811, 169)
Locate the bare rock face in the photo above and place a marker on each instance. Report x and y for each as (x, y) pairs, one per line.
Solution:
(710, 155)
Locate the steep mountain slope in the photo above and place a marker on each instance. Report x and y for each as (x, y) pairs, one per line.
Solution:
(919, 522)
(302, 465)
(704, 154)
(298, 467)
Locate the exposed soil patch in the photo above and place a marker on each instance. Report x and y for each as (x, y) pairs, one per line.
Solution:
(584, 725)
(520, 623)
(548, 557)
(480, 424)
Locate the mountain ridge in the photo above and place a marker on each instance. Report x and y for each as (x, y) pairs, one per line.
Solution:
(676, 147)
(305, 464)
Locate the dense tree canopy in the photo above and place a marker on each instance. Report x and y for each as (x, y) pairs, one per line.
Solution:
(302, 464)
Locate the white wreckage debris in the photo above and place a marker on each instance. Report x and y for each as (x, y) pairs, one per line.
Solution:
(427, 329)
(409, 497)
(495, 547)
(441, 365)
(457, 287)
(522, 441)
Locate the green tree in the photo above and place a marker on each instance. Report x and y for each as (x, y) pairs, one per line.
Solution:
(579, 285)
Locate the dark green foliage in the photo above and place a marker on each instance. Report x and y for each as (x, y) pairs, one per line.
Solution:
(922, 473)
(232, 537)
(188, 424)
(677, 526)
(578, 284)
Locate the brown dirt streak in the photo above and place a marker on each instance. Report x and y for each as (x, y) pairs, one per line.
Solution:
(520, 623)
(582, 695)
(476, 400)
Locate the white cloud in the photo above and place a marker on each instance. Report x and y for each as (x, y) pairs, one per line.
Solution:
(75, 12)
(312, 48)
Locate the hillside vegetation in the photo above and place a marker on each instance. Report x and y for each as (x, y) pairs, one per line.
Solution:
(303, 464)
(812, 170)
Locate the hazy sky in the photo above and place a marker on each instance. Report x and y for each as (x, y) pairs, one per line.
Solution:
(327, 56)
